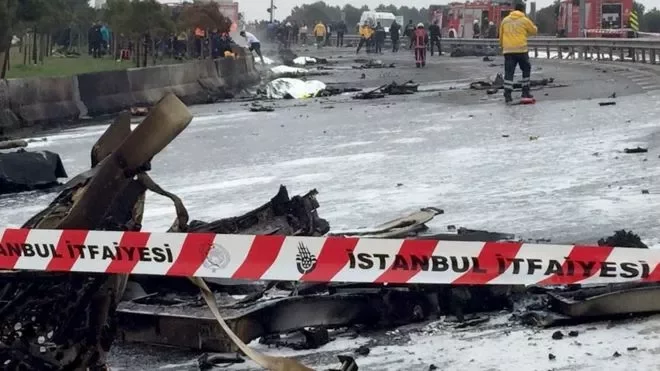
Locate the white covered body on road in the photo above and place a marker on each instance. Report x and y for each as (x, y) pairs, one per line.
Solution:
(293, 88)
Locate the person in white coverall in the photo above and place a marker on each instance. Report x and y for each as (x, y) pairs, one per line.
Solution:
(253, 44)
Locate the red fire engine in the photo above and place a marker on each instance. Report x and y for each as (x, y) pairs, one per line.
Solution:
(458, 18)
(603, 18)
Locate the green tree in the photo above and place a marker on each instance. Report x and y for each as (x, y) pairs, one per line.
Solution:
(546, 19)
(318, 11)
(651, 21)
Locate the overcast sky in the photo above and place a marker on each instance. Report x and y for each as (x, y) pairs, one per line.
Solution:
(256, 9)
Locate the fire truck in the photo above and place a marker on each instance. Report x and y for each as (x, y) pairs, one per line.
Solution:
(458, 18)
(603, 18)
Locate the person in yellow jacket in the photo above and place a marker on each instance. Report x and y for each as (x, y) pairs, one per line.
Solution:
(319, 33)
(366, 33)
(514, 30)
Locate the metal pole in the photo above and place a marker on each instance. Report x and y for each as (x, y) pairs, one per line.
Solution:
(272, 5)
(583, 10)
(532, 11)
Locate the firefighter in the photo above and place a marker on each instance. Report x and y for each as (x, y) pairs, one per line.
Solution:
(492, 30)
(514, 30)
(419, 41)
(476, 29)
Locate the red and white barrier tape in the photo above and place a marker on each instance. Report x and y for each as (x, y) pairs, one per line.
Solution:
(323, 259)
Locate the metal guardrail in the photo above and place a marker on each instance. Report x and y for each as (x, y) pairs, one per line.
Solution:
(635, 49)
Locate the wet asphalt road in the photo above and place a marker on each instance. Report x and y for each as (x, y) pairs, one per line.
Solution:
(553, 170)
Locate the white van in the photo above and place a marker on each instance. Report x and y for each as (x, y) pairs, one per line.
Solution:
(385, 19)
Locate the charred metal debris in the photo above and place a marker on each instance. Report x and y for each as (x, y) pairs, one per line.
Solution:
(69, 321)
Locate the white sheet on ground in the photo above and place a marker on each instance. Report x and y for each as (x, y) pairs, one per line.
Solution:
(282, 70)
(267, 60)
(302, 61)
(296, 88)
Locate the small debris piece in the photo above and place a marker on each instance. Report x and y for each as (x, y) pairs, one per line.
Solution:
(630, 349)
(607, 104)
(645, 191)
(622, 238)
(208, 361)
(533, 137)
(433, 367)
(347, 363)
(488, 59)
(473, 322)
(408, 87)
(616, 355)
(256, 108)
(573, 334)
(316, 337)
(139, 111)
(399, 184)
(551, 356)
(557, 335)
(363, 350)
(636, 150)
(505, 135)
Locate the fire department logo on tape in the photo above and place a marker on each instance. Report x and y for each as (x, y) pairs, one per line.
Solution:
(217, 258)
(305, 260)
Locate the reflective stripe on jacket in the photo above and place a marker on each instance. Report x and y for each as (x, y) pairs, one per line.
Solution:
(514, 30)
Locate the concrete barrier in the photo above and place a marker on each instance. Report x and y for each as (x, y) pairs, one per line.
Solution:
(8, 120)
(105, 92)
(43, 100)
(190, 82)
(240, 72)
(55, 99)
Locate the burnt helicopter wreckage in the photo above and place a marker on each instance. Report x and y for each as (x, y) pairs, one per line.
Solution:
(69, 321)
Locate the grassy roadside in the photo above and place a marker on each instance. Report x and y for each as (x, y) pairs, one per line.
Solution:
(62, 66)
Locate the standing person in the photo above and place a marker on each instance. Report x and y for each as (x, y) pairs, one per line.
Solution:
(328, 34)
(409, 31)
(395, 32)
(341, 31)
(253, 44)
(365, 36)
(380, 38)
(514, 30)
(434, 31)
(303, 34)
(492, 30)
(419, 42)
(105, 39)
(288, 31)
(295, 31)
(476, 29)
(319, 33)
(96, 40)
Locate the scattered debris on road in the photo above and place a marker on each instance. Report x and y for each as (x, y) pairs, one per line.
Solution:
(393, 88)
(258, 107)
(373, 64)
(498, 83)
